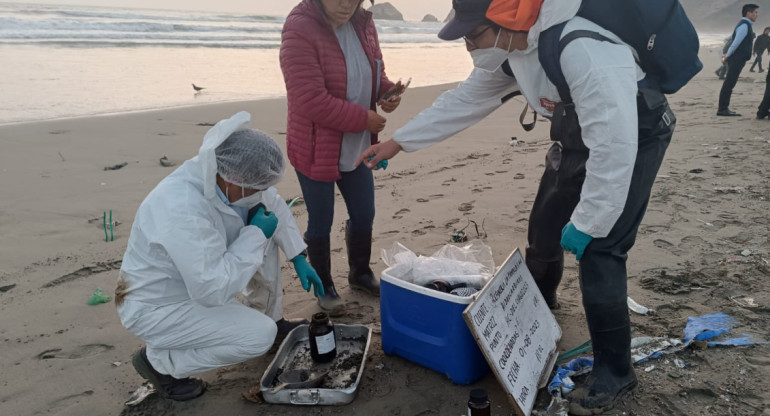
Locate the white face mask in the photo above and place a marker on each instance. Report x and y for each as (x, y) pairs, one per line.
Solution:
(490, 59)
(246, 201)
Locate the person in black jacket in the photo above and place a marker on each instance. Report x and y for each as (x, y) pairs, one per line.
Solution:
(764, 107)
(736, 57)
(760, 45)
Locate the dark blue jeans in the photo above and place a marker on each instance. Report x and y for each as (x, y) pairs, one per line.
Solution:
(357, 189)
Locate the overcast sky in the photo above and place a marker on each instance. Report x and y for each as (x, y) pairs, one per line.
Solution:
(411, 9)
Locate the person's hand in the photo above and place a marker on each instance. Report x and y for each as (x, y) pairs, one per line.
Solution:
(307, 275)
(574, 240)
(375, 122)
(390, 104)
(379, 152)
(724, 58)
(266, 221)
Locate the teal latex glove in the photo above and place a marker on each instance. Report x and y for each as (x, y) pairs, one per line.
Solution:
(266, 221)
(382, 164)
(574, 240)
(307, 275)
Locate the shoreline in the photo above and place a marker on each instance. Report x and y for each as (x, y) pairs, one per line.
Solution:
(136, 111)
(177, 107)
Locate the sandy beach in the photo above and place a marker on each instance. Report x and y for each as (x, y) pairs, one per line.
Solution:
(710, 203)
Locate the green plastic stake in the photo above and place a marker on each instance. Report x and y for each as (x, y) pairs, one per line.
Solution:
(98, 297)
(112, 236)
(104, 224)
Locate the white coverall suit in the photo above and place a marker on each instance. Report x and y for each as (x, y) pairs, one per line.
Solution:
(189, 255)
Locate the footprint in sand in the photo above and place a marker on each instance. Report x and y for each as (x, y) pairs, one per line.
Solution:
(476, 155)
(691, 242)
(436, 196)
(652, 229)
(665, 245)
(523, 207)
(465, 207)
(82, 351)
(448, 182)
(400, 213)
(418, 232)
(518, 176)
(422, 200)
(63, 403)
(742, 237)
(85, 272)
(356, 311)
(451, 222)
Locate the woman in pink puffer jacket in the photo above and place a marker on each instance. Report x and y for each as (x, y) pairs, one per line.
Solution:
(332, 65)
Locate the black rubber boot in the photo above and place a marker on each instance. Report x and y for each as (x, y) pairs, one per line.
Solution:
(318, 252)
(285, 326)
(359, 244)
(167, 387)
(547, 275)
(613, 374)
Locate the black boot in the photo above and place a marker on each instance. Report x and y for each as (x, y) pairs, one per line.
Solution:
(547, 275)
(285, 326)
(167, 387)
(359, 244)
(613, 374)
(319, 255)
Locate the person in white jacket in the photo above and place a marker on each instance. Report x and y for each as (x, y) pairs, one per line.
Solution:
(206, 234)
(609, 142)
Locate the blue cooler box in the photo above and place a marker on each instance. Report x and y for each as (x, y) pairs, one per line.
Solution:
(427, 327)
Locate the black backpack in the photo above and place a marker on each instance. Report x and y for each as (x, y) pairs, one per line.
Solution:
(660, 32)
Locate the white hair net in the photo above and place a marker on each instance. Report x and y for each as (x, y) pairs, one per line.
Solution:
(250, 158)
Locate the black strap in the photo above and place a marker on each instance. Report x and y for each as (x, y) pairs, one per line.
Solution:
(527, 126)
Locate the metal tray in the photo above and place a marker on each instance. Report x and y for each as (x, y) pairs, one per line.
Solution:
(339, 386)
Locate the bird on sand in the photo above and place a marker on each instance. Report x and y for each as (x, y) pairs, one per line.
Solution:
(197, 88)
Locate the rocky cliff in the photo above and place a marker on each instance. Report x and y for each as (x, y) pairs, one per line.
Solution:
(430, 18)
(385, 11)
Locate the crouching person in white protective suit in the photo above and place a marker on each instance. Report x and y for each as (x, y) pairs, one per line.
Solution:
(208, 232)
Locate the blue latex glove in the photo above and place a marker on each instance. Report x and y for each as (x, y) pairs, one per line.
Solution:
(307, 275)
(266, 221)
(382, 164)
(574, 240)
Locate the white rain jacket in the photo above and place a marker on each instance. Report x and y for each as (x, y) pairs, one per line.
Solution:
(602, 77)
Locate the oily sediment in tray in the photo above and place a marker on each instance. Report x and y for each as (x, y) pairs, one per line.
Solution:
(342, 371)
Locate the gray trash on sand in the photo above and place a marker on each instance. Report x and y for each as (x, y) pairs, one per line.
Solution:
(138, 396)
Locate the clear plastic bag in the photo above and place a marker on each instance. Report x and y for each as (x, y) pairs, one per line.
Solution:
(471, 263)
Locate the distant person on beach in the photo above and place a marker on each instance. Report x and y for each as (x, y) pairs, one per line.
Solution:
(207, 233)
(736, 57)
(335, 78)
(609, 142)
(761, 44)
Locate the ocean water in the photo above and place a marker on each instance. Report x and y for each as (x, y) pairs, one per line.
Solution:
(64, 61)
(72, 61)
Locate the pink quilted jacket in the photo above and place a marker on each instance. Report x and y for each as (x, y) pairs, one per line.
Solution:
(314, 70)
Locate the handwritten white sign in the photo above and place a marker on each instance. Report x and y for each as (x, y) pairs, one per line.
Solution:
(516, 331)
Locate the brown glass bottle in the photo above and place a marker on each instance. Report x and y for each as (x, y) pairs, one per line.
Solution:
(478, 404)
(323, 342)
